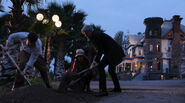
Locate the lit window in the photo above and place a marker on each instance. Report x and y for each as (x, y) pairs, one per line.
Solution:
(140, 52)
(135, 52)
(157, 48)
(150, 67)
(169, 34)
(151, 47)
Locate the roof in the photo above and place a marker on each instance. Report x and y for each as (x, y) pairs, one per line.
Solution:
(167, 26)
(134, 39)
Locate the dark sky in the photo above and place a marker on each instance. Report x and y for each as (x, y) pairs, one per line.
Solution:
(126, 15)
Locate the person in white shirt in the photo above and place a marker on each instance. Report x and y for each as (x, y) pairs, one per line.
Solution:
(30, 56)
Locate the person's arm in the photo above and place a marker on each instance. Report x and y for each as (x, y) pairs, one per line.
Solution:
(98, 56)
(96, 60)
(31, 61)
(33, 57)
(16, 36)
(35, 53)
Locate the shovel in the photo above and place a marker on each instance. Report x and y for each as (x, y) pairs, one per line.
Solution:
(13, 61)
(78, 79)
(69, 79)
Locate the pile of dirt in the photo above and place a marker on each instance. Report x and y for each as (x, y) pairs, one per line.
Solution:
(40, 94)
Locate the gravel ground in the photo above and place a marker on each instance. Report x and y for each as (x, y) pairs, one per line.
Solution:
(159, 91)
(146, 96)
(133, 92)
(39, 94)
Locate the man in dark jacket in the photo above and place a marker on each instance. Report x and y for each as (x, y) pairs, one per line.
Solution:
(113, 55)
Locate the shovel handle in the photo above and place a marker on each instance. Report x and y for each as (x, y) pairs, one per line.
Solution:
(13, 61)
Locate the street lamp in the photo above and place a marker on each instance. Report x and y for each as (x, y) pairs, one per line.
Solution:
(45, 21)
(40, 17)
(55, 18)
(58, 24)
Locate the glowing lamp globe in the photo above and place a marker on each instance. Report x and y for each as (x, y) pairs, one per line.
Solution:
(58, 24)
(40, 17)
(45, 21)
(55, 18)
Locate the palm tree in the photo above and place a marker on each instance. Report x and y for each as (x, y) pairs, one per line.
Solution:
(66, 42)
(16, 17)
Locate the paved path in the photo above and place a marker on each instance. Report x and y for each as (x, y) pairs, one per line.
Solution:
(163, 91)
(152, 84)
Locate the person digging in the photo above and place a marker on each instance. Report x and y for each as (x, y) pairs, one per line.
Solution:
(80, 63)
(30, 56)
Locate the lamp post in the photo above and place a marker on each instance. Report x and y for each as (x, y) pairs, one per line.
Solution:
(58, 24)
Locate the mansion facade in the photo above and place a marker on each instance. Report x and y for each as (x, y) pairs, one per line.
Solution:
(159, 53)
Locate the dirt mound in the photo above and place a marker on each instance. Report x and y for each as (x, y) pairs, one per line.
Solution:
(40, 94)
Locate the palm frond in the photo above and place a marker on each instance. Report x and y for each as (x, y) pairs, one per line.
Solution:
(31, 13)
(33, 2)
(54, 8)
(97, 28)
(69, 8)
(1, 8)
(79, 17)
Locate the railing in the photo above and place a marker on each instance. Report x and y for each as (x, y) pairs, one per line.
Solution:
(137, 73)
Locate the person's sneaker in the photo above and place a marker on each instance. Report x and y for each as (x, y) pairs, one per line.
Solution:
(116, 90)
(100, 94)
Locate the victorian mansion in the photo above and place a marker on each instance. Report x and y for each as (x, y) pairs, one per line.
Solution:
(159, 53)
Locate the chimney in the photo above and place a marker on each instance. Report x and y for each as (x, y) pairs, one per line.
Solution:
(176, 21)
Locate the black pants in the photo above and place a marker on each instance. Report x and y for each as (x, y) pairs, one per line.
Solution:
(102, 76)
(40, 64)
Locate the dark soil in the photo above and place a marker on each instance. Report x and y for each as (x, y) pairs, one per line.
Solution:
(40, 94)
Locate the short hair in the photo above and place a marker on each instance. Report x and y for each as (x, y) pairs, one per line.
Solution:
(87, 28)
(32, 37)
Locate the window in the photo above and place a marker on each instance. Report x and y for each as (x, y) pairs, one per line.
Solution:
(169, 49)
(135, 52)
(150, 66)
(140, 52)
(158, 48)
(159, 66)
(183, 48)
(151, 47)
(150, 32)
(182, 36)
(156, 32)
(169, 34)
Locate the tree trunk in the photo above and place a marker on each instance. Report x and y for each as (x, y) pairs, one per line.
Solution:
(59, 69)
(46, 53)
